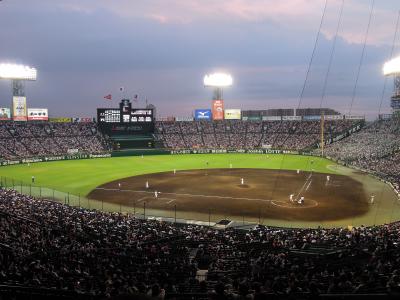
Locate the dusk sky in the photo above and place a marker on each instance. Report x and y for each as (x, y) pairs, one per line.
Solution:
(161, 49)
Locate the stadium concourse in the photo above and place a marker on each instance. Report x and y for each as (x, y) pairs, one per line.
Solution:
(48, 249)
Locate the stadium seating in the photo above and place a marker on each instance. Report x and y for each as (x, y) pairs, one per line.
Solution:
(236, 134)
(376, 149)
(48, 245)
(29, 139)
(47, 248)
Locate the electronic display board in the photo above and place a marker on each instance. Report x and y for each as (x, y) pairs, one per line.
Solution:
(125, 119)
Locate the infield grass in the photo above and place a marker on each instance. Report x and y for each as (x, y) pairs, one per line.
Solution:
(82, 176)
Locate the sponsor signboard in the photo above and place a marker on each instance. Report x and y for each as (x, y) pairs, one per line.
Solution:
(271, 118)
(253, 118)
(252, 151)
(38, 114)
(218, 109)
(203, 114)
(291, 118)
(83, 120)
(333, 117)
(233, 114)
(5, 114)
(73, 151)
(311, 118)
(184, 119)
(166, 119)
(60, 120)
(19, 108)
(53, 158)
(347, 117)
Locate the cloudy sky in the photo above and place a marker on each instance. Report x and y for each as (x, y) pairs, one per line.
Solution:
(161, 49)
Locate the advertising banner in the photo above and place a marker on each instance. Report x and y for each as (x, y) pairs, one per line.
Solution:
(184, 119)
(5, 114)
(291, 118)
(38, 114)
(83, 120)
(166, 119)
(347, 117)
(72, 151)
(60, 120)
(233, 114)
(253, 118)
(218, 109)
(271, 118)
(19, 108)
(203, 114)
(311, 118)
(53, 158)
(333, 117)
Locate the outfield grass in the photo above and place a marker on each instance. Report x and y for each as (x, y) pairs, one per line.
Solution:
(81, 176)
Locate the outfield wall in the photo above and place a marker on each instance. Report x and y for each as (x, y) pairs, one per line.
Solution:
(52, 158)
(139, 152)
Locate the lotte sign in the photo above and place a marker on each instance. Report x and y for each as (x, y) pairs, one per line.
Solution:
(218, 109)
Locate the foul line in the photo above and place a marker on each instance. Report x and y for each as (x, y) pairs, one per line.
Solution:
(141, 199)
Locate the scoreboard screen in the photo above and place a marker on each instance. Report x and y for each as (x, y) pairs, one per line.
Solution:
(108, 115)
(111, 115)
(125, 119)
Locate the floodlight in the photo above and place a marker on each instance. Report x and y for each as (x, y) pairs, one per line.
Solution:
(17, 72)
(218, 80)
(392, 67)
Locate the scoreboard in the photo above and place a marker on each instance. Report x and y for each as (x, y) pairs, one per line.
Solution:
(125, 119)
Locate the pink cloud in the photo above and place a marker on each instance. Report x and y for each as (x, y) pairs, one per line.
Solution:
(295, 15)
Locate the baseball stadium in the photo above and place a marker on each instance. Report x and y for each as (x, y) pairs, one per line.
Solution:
(224, 203)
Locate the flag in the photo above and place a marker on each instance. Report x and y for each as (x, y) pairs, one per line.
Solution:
(108, 97)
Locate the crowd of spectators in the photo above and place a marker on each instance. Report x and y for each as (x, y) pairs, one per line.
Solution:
(375, 148)
(30, 139)
(51, 245)
(237, 134)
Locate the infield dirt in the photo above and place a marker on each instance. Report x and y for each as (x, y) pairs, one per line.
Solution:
(264, 194)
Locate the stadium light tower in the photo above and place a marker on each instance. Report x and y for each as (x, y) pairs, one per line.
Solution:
(392, 68)
(218, 81)
(18, 74)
